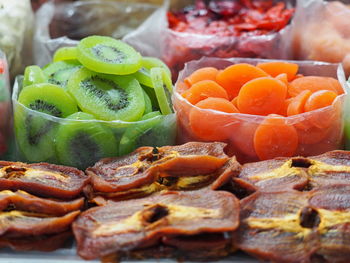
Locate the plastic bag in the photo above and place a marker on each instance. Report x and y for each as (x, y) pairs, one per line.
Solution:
(81, 143)
(16, 30)
(154, 38)
(314, 137)
(61, 24)
(321, 32)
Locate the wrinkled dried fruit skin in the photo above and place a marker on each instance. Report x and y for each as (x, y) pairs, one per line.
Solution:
(40, 243)
(292, 226)
(42, 179)
(140, 223)
(298, 172)
(26, 202)
(147, 170)
(20, 224)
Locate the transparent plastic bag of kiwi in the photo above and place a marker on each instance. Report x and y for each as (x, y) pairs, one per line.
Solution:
(63, 23)
(80, 140)
(177, 48)
(5, 107)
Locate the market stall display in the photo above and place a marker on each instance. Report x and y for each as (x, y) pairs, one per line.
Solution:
(62, 23)
(270, 112)
(104, 101)
(215, 29)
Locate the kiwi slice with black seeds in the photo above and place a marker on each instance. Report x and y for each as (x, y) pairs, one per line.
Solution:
(108, 55)
(33, 75)
(65, 53)
(35, 131)
(107, 97)
(59, 72)
(81, 141)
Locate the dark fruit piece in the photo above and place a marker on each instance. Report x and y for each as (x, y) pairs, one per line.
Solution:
(65, 53)
(107, 97)
(33, 75)
(35, 131)
(108, 55)
(81, 141)
(59, 72)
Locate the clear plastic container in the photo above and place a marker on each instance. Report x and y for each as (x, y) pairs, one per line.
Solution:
(37, 138)
(318, 131)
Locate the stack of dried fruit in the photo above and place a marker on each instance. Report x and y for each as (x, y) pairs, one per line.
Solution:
(93, 92)
(38, 204)
(218, 104)
(226, 28)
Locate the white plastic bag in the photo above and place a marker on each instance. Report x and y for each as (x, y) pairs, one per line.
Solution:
(58, 24)
(16, 27)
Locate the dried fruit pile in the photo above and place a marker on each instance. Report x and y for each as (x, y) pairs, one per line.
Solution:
(271, 89)
(38, 204)
(100, 79)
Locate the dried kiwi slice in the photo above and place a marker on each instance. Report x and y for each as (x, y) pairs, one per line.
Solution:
(108, 55)
(148, 103)
(143, 75)
(59, 72)
(81, 143)
(33, 75)
(107, 97)
(136, 135)
(65, 53)
(152, 95)
(35, 132)
(162, 86)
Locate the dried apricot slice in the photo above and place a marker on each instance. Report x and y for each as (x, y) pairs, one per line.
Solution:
(278, 67)
(234, 77)
(210, 125)
(314, 83)
(296, 106)
(320, 99)
(205, 89)
(262, 96)
(207, 73)
(275, 138)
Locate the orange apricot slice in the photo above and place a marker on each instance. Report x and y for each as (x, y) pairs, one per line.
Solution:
(276, 68)
(285, 106)
(234, 77)
(275, 138)
(211, 125)
(284, 78)
(297, 104)
(207, 73)
(205, 89)
(262, 96)
(320, 99)
(314, 83)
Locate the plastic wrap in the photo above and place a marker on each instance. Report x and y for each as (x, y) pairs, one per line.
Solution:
(5, 105)
(154, 38)
(16, 30)
(61, 24)
(157, 131)
(312, 138)
(321, 32)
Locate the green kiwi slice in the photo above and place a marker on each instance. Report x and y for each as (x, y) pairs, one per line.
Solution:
(163, 87)
(143, 74)
(35, 132)
(152, 95)
(148, 103)
(59, 72)
(132, 138)
(107, 97)
(65, 53)
(81, 141)
(33, 75)
(108, 55)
